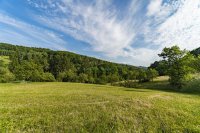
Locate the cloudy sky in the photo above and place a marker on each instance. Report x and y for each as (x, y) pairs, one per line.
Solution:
(123, 31)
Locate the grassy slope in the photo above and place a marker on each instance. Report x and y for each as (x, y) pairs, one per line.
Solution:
(53, 107)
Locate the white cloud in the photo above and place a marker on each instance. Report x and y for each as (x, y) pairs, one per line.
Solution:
(154, 7)
(18, 32)
(98, 23)
(115, 32)
(181, 28)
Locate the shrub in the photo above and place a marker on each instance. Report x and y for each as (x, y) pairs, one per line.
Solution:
(91, 80)
(113, 78)
(6, 75)
(83, 78)
(67, 76)
(192, 86)
(128, 84)
(48, 77)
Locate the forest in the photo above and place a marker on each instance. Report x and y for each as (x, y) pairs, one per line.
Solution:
(45, 65)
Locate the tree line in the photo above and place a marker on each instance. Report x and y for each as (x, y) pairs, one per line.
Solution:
(45, 65)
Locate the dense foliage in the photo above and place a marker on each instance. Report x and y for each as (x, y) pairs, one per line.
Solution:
(38, 64)
(178, 65)
(160, 65)
(45, 65)
(5, 74)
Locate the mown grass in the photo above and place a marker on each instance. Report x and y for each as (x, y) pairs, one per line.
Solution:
(72, 107)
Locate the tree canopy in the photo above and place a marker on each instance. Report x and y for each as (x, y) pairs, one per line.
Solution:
(177, 63)
(38, 64)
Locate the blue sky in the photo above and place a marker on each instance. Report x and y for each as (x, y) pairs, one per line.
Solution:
(123, 31)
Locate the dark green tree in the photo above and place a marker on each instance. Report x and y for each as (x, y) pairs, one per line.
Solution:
(177, 65)
(142, 76)
(151, 74)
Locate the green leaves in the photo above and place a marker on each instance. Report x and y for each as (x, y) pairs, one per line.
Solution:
(177, 63)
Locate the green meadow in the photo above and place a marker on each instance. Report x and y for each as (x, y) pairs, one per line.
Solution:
(73, 107)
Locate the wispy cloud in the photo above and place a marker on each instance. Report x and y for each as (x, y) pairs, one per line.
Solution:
(154, 7)
(180, 24)
(96, 23)
(18, 32)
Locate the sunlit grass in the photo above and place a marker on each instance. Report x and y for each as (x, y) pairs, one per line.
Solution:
(162, 78)
(71, 107)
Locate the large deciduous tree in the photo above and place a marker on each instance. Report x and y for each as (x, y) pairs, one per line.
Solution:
(177, 64)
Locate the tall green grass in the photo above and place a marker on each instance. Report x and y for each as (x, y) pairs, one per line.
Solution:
(193, 86)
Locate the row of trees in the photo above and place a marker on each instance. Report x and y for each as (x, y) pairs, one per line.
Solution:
(44, 65)
(36, 64)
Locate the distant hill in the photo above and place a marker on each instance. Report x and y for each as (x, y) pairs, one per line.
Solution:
(40, 64)
(196, 52)
(143, 67)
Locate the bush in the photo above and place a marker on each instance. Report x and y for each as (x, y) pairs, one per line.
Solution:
(128, 84)
(6, 75)
(101, 80)
(192, 86)
(112, 78)
(83, 78)
(91, 80)
(37, 76)
(48, 77)
(67, 76)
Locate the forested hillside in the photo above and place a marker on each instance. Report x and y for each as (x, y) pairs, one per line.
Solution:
(39, 64)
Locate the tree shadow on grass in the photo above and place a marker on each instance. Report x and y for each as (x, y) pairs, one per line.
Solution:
(160, 86)
(136, 90)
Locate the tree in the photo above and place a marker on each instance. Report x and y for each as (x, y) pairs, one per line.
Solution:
(133, 74)
(6, 75)
(39, 64)
(159, 67)
(151, 74)
(83, 78)
(196, 64)
(112, 78)
(67, 76)
(177, 65)
(142, 76)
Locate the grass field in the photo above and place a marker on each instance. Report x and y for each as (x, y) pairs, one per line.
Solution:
(72, 107)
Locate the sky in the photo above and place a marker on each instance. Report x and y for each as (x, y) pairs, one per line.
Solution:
(123, 31)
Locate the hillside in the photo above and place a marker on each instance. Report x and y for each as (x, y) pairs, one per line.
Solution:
(39, 64)
(72, 107)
